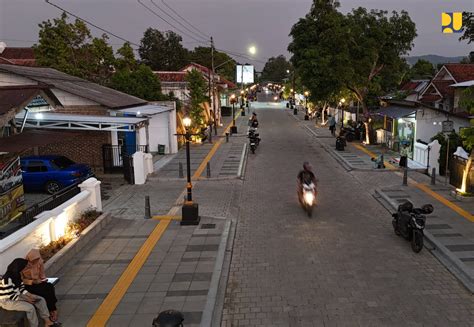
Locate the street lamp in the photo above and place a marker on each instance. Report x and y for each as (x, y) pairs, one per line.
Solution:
(190, 210)
(233, 99)
(306, 116)
(341, 104)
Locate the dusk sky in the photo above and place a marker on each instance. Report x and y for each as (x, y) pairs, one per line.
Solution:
(234, 24)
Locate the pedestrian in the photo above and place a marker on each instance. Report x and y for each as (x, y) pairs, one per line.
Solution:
(332, 125)
(35, 281)
(14, 296)
(404, 155)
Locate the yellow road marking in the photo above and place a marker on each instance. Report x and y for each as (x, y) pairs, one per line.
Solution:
(428, 191)
(167, 217)
(113, 299)
(110, 303)
(445, 201)
(370, 153)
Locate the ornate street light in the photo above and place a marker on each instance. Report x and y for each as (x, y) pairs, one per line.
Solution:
(233, 100)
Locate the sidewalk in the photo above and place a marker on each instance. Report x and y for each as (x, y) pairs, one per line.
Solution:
(139, 267)
(449, 230)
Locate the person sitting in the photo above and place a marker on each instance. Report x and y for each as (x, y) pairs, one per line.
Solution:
(378, 162)
(14, 296)
(305, 176)
(35, 281)
(253, 121)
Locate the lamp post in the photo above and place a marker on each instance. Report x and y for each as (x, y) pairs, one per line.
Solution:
(190, 210)
(341, 104)
(233, 128)
(306, 116)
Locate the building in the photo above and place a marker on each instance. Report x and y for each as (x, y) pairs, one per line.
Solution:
(110, 122)
(18, 56)
(413, 89)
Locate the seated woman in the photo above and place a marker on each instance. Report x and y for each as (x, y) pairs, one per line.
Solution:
(14, 296)
(35, 281)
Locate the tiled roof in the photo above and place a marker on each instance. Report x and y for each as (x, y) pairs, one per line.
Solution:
(171, 76)
(199, 67)
(103, 95)
(230, 84)
(461, 72)
(19, 56)
(444, 88)
(409, 86)
(15, 97)
(430, 98)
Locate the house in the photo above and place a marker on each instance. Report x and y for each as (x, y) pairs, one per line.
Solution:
(174, 83)
(440, 93)
(413, 89)
(18, 56)
(110, 122)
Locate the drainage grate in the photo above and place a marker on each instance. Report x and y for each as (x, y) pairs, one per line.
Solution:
(208, 226)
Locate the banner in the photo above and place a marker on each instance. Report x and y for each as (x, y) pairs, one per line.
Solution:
(12, 200)
(246, 75)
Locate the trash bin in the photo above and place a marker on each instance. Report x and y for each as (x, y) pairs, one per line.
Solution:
(340, 144)
(169, 318)
(287, 104)
(161, 149)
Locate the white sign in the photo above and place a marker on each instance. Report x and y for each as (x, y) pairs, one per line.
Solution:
(246, 75)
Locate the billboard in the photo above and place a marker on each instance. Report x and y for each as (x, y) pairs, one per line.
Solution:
(246, 75)
(12, 201)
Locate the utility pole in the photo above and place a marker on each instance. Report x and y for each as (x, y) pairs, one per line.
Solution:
(213, 97)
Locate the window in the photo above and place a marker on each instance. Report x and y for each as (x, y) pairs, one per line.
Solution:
(36, 167)
(62, 162)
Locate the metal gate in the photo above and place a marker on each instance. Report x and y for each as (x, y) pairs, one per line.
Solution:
(112, 156)
(128, 171)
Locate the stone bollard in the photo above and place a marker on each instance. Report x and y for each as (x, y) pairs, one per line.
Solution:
(147, 207)
(180, 170)
(208, 169)
(405, 176)
(433, 176)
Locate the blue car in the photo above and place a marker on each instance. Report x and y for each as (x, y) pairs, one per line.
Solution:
(51, 173)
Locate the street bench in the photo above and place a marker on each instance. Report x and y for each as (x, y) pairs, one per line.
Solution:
(9, 318)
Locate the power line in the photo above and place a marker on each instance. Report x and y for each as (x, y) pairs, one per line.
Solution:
(163, 19)
(184, 19)
(181, 24)
(92, 24)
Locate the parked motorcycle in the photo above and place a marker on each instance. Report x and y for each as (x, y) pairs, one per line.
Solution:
(308, 198)
(409, 223)
(254, 139)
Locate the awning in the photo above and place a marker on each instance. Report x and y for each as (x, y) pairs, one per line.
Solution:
(30, 139)
(463, 84)
(395, 112)
(146, 110)
(48, 120)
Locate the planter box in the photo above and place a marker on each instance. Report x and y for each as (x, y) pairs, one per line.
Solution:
(63, 256)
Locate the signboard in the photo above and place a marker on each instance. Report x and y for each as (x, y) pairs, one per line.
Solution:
(448, 126)
(12, 201)
(246, 75)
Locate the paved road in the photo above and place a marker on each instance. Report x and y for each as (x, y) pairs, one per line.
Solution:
(343, 267)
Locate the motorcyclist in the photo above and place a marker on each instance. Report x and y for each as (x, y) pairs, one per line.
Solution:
(253, 121)
(305, 176)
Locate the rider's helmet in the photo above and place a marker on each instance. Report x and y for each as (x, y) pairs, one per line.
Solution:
(307, 166)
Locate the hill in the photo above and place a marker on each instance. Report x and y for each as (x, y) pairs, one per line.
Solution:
(434, 59)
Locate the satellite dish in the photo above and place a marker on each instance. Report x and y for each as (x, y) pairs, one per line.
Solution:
(3, 45)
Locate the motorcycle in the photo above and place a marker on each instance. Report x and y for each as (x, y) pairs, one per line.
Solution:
(308, 198)
(349, 133)
(254, 139)
(409, 223)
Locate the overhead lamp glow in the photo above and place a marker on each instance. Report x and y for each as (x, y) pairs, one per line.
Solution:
(400, 120)
(252, 50)
(187, 121)
(39, 116)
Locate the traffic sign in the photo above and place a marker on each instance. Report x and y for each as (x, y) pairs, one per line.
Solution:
(448, 126)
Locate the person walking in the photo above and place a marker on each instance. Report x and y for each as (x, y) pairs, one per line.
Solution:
(332, 125)
(404, 155)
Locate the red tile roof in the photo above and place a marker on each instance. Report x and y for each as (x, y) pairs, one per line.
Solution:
(430, 98)
(199, 67)
(444, 88)
(409, 86)
(19, 56)
(171, 76)
(461, 72)
(230, 84)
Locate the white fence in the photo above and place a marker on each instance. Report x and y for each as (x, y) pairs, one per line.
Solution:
(427, 155)
(49, 225)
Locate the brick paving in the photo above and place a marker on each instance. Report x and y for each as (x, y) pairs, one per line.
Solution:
(343, 267)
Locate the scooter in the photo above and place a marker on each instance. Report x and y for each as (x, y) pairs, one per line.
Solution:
(254, 139)
(409, 223)
(308, 198)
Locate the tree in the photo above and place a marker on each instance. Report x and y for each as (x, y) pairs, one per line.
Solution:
(202, 56)
(361, 51)
(468, 27)
(126, 58)
(467, 134)
(197, 94)
(141, 83)
(275, 69)
(422, 69)
(163, 51)
(69, 47)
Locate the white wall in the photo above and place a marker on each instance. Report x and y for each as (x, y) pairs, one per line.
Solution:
(423, 153)
(49, 225)
(162, 130)
(426, 127)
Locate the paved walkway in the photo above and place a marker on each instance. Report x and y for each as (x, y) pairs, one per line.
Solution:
(343, 267)
(139, 267)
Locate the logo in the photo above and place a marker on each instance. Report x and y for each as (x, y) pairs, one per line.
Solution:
(451, 22)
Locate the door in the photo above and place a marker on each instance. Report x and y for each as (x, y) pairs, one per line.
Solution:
(35, 175)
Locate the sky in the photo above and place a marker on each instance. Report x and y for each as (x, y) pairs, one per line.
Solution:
(234, 25)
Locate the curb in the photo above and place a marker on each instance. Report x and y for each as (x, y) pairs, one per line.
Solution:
(243, 162)
(63, 256)
(206, 320)
(451, 262)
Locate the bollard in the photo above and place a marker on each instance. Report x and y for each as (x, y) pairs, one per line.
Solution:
(433, 176)
(147, 207)
(227, 137)
(208, 166)
(405, 176)
(295, 111)
(180, 170)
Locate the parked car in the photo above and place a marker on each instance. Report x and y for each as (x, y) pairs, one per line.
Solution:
(51, 173)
